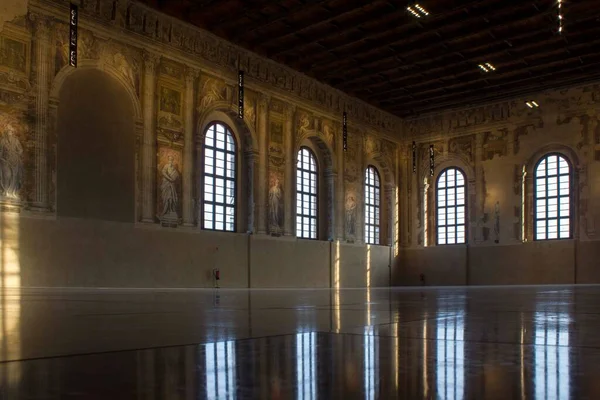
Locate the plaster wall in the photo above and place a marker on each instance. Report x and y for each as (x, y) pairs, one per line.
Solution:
(498, 147)
(106, 184)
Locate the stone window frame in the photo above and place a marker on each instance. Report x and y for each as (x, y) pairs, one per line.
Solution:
(437, 206)
(430, 182)
(317, 174)
(228, 130)
(529, 201)
(379, 207)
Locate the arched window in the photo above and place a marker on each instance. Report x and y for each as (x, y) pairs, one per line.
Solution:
(372, 205)
(552, 198)
(451, 207)
(306, 194)
(219, 179)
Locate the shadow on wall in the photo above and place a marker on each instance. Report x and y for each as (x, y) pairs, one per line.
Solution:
(96, 154)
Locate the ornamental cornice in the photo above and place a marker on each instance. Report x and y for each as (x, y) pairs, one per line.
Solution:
(194, 44)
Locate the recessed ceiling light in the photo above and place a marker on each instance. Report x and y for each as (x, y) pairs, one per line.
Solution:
(421, 9)
(417, 10)
(487, 67)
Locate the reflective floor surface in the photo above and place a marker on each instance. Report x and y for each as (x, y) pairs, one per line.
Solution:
(448, 343)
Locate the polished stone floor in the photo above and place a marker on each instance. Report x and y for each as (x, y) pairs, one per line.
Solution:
(448, 343)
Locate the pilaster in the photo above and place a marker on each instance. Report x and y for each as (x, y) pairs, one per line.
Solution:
(263, 115)
(290, 157)
(42, 49)
(151, 61)
(191, 76)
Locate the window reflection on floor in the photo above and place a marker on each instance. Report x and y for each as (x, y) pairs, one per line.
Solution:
(450, 352)
(306, 369)
(371, 374)
(551, 355)
(220, 370)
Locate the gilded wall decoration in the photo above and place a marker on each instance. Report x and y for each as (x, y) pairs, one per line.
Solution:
(178, 35)
(171, 70)
(170, 101)
(249, 107)
(276, 200)
(13, 54)
(277, 106)
(87, 45)
(372, 145)
(211, 91)
(170, 110)
(351, 157)
(169, 184)
(11, 156)
(495, 143)
(463, 145)
(329, 133)
(305, 123)
(125, 60)
(276, 133)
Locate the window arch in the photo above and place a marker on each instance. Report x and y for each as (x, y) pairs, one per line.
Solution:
(372, 205)
(306, 194)
(451, 207)
(219, 196)
(552, 198)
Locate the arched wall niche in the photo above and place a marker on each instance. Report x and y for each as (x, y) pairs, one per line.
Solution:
(67, 71)
(96, 118)
(246, 158)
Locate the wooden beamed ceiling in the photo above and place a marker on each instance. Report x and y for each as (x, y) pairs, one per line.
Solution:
(379, 52)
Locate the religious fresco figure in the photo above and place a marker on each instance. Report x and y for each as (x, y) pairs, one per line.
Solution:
(275, 204)
(170, 180)
(11, 162)
(350, 214)
(212, 93)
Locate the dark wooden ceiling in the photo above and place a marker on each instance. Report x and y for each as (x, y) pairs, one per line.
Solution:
(379, 52)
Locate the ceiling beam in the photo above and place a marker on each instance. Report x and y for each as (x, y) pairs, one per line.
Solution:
(270, 20)
(375, 13)
(232, 19)
(349, 6)
(535, 49)
(532, 72)
(381, 30)
(353, 79)
(422, 39)
(526, 86)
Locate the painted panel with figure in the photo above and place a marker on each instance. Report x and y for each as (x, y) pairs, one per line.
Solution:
(170, 100)
(351, 212)
(11, 156)
(276, 202)
(169, 185)
(13, 54)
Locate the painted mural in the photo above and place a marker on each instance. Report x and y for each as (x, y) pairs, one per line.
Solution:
(276, 209)
(169, 185)
(11, 157)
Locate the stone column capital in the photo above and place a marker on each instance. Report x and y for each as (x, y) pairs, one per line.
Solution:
(289, 111)
(191, 74)
(263, 101)
(151, 60)
(41, 26)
